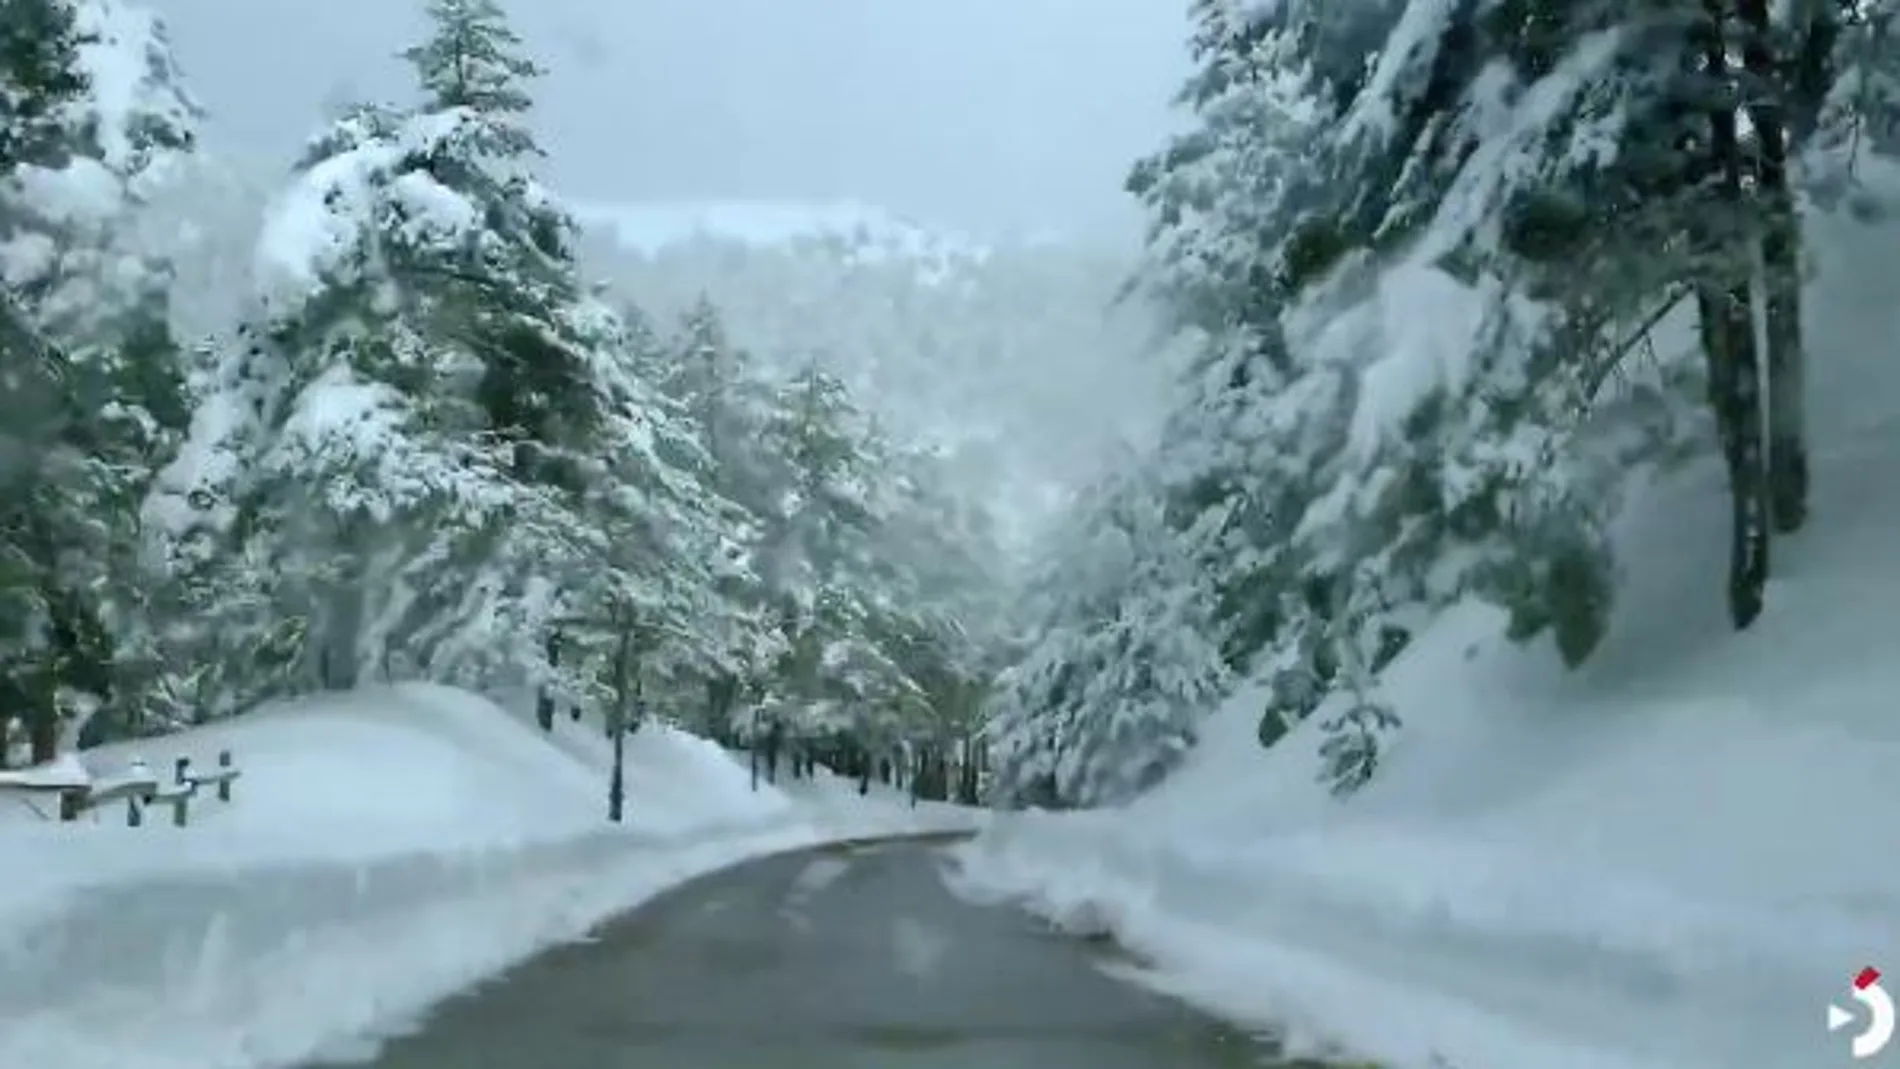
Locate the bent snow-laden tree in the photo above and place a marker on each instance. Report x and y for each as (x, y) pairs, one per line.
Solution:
(1423, 290)
(1649, 165)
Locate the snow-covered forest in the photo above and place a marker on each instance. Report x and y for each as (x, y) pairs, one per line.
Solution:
(1463, 276)
(1418, 262)
(972, 349)
(374, 423)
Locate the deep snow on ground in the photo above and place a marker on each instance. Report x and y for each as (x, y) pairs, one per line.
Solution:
(382, 850)
(1675, 857)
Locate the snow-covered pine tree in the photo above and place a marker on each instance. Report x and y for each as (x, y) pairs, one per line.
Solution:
(116, 317)
(41, 79)
(732, 404)
(946, 612)
(817, 558)
(725, 389)
(1337, 479)
(1121, 664)
(77, 262)
(668, 554)
(1636, 186)
(397, 540)
(1238, 205)
(536, 330)
(1034, 714)
(1848, 89)
(860, 662)
(1567, 231)
(472, 59)
(42, 446)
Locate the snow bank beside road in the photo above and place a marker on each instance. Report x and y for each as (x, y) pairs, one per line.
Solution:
(1674, 858)
(384, 849)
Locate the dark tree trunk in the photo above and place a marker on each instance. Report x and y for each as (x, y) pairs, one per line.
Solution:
(774, 739)
(1781, 270)
(42, 731)
(721, 692)
(544, 701)
(625, 695)
(968, 777)
(1735, 371)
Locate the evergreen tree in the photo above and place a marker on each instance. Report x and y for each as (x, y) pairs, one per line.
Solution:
(675, 552)
(1313, 202)
(40, 78)
(70, 222)
(722, 389)
(815, 555)
(44, 443)
(1121, 664)
(473, 60)
(398, 540)
(513, 299)
(1846, 88)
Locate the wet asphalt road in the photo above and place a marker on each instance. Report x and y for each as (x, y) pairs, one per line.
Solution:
(844, 958)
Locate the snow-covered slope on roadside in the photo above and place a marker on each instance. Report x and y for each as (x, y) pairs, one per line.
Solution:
(382, 850)
(1674, 858)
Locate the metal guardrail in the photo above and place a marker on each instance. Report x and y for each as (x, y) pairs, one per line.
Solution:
(138, 789)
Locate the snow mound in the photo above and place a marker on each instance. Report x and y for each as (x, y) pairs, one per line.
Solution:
(1673, 858)
(419, 828)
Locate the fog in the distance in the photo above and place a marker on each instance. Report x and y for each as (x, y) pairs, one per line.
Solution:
(983, 115)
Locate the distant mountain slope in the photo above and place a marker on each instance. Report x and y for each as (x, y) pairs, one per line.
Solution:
(1011, 356)
(860, 232)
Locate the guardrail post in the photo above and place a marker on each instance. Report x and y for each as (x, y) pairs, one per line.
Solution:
(72, 802)
(224, 783)
(181, 803)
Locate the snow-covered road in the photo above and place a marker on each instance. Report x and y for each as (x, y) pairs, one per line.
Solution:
(830, 959)
(384, 850)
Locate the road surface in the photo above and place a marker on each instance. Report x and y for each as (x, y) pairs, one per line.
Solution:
(844, 958)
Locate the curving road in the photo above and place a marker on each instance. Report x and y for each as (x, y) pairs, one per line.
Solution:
(842, 958)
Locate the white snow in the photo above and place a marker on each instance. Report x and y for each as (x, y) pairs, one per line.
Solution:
(382, 850)
(126, 63)
(1412, 336)
(66, 770)
(649, 227)
(1673, 858)
(365, 190)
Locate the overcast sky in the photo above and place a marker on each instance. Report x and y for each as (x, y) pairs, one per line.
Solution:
(980, 114)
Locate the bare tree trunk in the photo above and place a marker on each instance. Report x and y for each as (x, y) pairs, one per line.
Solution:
(1781, 269)
(1735, 381)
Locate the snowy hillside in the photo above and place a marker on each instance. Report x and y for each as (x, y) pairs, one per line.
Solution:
(1673, 858)
(419, 827)
(860, 231)
(974, 346)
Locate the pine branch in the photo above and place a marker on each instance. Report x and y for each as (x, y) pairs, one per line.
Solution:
(1604, 368)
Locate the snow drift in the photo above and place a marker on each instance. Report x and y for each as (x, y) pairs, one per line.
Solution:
(1675, 857)
(382, 850)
